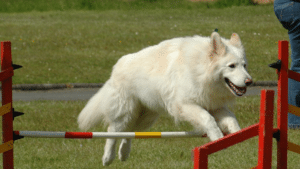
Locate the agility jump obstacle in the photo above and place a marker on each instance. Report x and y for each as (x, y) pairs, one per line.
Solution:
(8, 113)
(264, 129)
(117, 135)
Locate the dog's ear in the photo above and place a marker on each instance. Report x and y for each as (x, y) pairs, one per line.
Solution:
(235, 40)
(217, 46)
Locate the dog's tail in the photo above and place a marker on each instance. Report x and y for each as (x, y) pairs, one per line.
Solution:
(94, 110)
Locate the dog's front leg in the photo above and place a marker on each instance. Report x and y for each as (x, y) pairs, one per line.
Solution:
(226, 120)
(201, 120)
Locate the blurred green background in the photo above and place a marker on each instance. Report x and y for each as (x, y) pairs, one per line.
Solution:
(79, 41)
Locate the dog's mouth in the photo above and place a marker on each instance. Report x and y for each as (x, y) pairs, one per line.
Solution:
(239, 91)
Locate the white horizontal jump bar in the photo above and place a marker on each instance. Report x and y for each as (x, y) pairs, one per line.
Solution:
(53, 134)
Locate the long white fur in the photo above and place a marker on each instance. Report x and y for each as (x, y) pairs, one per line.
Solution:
(182, 76)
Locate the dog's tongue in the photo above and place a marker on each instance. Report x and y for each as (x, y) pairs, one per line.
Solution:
(240, 90)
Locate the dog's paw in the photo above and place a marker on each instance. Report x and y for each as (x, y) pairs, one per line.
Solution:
(107, 159)
(215, 135)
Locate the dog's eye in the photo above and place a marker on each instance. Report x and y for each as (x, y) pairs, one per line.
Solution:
(232, 66)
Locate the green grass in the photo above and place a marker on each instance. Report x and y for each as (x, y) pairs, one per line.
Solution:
(146, 153)
(81, 46)
(101, 5)
(79, 42)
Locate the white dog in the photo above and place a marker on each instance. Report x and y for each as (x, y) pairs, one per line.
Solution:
(192, 78)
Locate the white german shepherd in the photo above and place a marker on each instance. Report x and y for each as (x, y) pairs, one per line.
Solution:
(192, 78)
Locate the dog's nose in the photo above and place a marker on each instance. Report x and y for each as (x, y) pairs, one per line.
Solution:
(248, 82)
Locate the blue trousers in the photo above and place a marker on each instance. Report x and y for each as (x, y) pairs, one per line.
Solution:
(288, 13)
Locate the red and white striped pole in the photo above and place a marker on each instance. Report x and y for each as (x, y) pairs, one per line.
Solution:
(103, 135)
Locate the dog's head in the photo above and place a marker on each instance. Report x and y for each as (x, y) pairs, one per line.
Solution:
(229, 63)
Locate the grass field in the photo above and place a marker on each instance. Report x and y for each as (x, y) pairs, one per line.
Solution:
(146, 153)
(79, 43)
(103, 5)
(81, 46)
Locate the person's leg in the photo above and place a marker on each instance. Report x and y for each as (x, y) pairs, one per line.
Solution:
(289, 16)
(294, 86)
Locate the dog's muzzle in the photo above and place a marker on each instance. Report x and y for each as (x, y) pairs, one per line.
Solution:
(248, 82)
(239, 91)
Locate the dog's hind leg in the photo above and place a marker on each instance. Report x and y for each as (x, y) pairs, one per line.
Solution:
(122, 117)
(144, 121)
(109, 150)
(110, 146)
(124, 149)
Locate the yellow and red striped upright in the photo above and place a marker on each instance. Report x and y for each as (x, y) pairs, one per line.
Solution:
(282, 104)
(7, 119)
